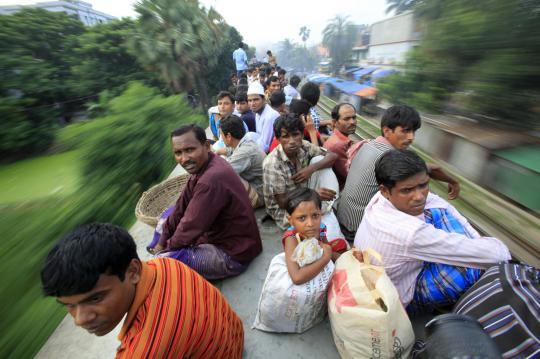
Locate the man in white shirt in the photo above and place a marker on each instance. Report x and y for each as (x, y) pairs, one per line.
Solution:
(265, 116)
(291, 93)
(429, 250)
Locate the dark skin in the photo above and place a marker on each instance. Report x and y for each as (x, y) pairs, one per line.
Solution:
(291, 143)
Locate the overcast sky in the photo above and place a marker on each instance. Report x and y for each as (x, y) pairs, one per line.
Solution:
(264, 30)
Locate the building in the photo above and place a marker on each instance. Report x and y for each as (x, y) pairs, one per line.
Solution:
(390, 39)
(361, 46)
(81, 9)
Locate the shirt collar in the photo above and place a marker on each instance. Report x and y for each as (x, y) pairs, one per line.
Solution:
(341, 136)
(262, 109)
(283, 156)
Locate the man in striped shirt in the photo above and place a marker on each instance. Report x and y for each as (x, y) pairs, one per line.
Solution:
(398, 126)
(172, 312)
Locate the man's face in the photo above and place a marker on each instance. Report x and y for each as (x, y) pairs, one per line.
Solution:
(400, 138)
(189, 152)
(306, 218)
(234, 80)
(101, 309)
(409, 196)
(274, 86)
(291, 142)
(225, 106)
(346, 123)
(242, 106)
(255, 102)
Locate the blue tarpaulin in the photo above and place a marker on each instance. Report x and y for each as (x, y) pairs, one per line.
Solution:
(352, 69)
(348, 87)
(363, 72)
(383, 72)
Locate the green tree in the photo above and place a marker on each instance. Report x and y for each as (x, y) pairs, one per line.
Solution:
(304, 34)
(296, 56)
(400, 6)
(339, 36)
(178, 39)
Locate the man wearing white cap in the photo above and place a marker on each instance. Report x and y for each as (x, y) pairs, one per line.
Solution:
(265, 116)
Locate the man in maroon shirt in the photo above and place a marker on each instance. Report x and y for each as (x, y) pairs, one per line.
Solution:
(344, 121)
(212, 228)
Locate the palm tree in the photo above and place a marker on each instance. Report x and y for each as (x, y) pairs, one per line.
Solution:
(304, 34)
(400, 6)
(338, 37)
(177, 38)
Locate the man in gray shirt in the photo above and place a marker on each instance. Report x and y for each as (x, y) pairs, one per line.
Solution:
(398, 126)
(245, 157)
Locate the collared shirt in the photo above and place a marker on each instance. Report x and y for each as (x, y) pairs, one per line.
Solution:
(360, 185)
(278, 171)
(240, 58)
(246, 160)
(405, 242)
(315, 117)
(290, 94)
(339, 143)
(176, 314)
(264, 122)
(214, 208)
(249, 119)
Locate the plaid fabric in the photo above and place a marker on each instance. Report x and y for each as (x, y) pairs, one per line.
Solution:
(315, 117)
(338, 245)
(440, 285)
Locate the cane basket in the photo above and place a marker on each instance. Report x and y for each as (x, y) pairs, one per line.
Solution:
(158, 198)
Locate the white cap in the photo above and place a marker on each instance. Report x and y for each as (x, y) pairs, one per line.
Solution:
(256, 89)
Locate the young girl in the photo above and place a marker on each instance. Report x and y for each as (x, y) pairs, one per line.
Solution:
(304, 209)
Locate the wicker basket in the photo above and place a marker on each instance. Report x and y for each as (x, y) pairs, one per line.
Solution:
(158, 198)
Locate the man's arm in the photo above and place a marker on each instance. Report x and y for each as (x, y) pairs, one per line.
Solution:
(304, 174)
(437, 173)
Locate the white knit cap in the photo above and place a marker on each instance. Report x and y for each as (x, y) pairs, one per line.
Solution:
(256, 89)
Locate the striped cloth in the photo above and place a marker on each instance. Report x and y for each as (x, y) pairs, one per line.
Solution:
(440, 285)
(506, 302)
(360, 187)
(178, 314)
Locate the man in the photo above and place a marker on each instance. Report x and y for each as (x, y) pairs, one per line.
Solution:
(272, 85)
(398, 126)
(272, 60)
(295, 163)
(344, 123)
(225, 107)
(246, 115)
(240, 58)
(265, 116)
(212, 227)
(311, 93)
(281, 76)
(291, 93)
(170, 311)
(246, 158)
(277, 102)
(429, 250)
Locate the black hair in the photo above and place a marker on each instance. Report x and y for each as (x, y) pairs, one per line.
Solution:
(243, 75)
(243, 81)
(294, 81)
(234, 125)
(401, 115)
(290, 123)
(198, 131)
(300, 107)
(269, 52)
(75, 263)
(234, 74)
(268, 71)
(272, 79)
(398, 165)
(299, 195)
(281, 72)
(277, 98)
(311, 92)
(241, 44)
(241, 89)
(335, 111)
(223, 94)
(241, 96)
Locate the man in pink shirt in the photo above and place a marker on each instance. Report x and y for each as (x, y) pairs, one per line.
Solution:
(344, 122)
(429, 250)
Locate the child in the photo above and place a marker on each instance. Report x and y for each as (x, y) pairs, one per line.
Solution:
(304, 209)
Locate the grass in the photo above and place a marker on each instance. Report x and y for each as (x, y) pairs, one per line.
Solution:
(39, 177)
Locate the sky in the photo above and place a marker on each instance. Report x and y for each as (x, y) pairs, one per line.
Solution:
(264, 31)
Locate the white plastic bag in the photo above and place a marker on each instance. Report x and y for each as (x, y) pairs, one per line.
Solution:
(307, 252)
(289, 308)
(366, 315)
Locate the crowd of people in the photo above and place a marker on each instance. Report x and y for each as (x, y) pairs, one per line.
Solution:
(270, 148)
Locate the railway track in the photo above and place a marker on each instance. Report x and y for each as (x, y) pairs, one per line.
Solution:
(490, 214)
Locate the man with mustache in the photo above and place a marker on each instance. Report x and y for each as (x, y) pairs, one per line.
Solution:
(399, 124)
(170, 311)
(344, 122)
(212, 227)
(428, 249)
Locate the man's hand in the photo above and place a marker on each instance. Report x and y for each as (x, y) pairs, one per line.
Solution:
(303, 175)
(158, 248)
(453, 190)
(326, 194)
(308, 123)
(220, 151)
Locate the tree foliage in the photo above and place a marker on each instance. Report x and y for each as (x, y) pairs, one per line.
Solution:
(339, 36)
(477, 57)
(296, 56)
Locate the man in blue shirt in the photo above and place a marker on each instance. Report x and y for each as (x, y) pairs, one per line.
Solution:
(240, 58)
